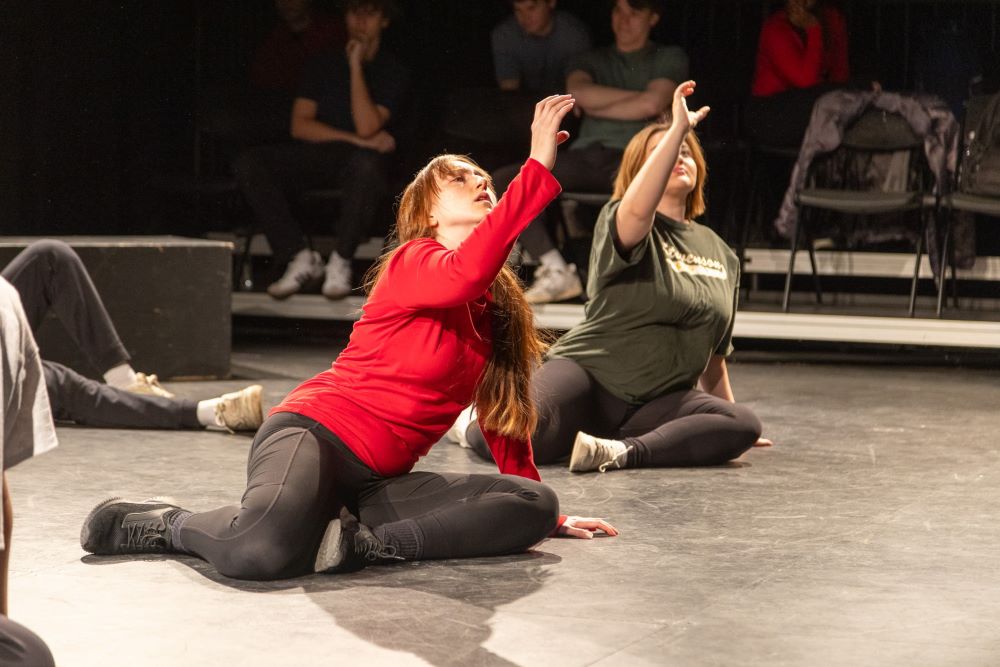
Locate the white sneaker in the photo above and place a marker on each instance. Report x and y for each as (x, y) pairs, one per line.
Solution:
(240, 410)
(149, 385)
(554, 284)
(590, 453)
(337, 284)
(305, 267)
(457, 431)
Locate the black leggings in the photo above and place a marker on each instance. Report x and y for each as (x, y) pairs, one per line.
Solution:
(21, 646)
(87, 402)
(681, 428)
(49, 277)
(299, 475)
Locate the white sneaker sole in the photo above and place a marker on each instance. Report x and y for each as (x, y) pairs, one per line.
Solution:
(577, 458)
(329, 554)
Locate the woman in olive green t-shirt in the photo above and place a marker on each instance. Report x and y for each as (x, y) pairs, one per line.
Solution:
(642, 381)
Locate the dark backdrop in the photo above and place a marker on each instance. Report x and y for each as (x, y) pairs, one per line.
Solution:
(99, 97)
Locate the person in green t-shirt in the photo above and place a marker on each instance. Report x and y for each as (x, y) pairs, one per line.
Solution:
(642, 381)
(618, 88)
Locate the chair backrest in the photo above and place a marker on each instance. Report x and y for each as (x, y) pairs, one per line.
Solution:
(979, 171)
(880, 130)
(879, 150)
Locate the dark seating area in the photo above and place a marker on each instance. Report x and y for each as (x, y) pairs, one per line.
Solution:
(158, 159)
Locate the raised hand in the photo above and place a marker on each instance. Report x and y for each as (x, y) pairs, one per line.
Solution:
(545, 132)
(686, 120)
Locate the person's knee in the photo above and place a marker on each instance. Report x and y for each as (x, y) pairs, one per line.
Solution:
(367, 165)
(748, 423)
(540, 508)
(261, 560)
(55, 253)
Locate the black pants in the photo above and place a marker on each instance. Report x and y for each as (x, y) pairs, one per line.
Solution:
(21, 646)
(299, 474)
(682, 428)
(49, 276)
(87, 402)
(588, 169)
(270, 177)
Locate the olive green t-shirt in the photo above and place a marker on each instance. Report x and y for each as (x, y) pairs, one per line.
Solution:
(630, 71)
(655, 316)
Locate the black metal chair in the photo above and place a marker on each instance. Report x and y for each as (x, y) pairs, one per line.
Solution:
(837, 184)
(962, 200)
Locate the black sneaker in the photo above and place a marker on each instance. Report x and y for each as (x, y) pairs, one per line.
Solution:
(348, 546)
(119, 526)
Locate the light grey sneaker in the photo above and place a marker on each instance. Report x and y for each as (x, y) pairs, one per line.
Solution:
(240, 410)
(337, 284)
(305, 268)
(457, 431)
(554, 284)
(148, 384)
(591, 453)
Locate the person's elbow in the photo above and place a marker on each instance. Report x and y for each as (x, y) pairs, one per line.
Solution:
(298, 128)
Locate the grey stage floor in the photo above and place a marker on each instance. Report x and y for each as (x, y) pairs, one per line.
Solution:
(868, 536)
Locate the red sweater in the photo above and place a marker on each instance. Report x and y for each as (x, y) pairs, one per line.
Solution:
(785, 62)
(417, 352)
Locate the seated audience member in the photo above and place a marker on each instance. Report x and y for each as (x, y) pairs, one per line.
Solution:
(338, 123)
(49, 277)
(619, 89)
(802, 54)
(250, 115)
(26, 430)
(531, 49)
(533, 46)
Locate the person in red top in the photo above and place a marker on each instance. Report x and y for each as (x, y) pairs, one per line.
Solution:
(802, 53)
(330, 487)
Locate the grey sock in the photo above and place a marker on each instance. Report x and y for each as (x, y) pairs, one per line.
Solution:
(176, 523)
(405, 535)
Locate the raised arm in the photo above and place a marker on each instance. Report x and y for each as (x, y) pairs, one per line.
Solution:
(369, 117)
(636, 212)
(465, 273)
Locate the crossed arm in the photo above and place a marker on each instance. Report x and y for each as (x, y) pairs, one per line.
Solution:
(619, 103)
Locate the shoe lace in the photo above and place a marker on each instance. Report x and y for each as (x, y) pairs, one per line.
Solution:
(379, 551)
(220, 416)
(616, 460)
(146, 534)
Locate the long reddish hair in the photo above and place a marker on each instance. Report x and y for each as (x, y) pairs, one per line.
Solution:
(503, 394)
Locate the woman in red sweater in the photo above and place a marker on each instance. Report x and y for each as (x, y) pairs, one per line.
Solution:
(802, 53)
(329, 486)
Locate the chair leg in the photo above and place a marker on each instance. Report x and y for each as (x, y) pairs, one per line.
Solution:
(749, 216)
(243, 266)
(786, 301)
(943, 263)
(916, 268)
(815, 270)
